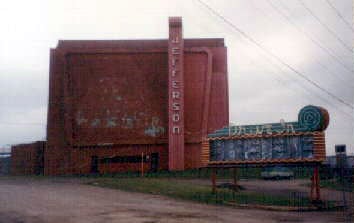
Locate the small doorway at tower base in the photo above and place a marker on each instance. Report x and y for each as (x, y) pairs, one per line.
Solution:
(154, 162)
(94, 164)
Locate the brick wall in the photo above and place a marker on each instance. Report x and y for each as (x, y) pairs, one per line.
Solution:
(27, 159)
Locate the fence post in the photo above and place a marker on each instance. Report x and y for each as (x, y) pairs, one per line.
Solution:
(350, 202)
(315, 185)
(317, 179)
(312, 187)
(213, 180)
(142, 164)
(351, 192)
(235, 178)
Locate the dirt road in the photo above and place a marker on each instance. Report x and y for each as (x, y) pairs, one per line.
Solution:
(67, 201)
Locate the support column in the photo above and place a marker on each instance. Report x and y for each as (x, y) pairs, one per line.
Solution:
(213, 180)
(235, 179)
(315, 185)
(317, 180)
(176, 95)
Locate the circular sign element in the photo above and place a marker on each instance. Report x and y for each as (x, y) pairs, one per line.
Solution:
(313, 118)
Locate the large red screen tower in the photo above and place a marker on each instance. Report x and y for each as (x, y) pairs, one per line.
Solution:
(113, 101)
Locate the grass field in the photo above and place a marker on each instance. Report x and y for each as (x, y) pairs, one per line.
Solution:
(193, 192)
(242, 173)
(336, 184)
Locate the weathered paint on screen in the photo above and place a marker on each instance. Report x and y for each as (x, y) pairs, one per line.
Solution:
(117, 103)
(286, 147)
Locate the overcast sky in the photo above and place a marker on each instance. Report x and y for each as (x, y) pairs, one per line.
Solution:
(261, 89)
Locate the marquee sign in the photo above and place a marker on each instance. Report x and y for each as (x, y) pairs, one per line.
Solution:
(284, 142)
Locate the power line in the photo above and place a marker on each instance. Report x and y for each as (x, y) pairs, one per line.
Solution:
(311, 93)
(345, 82)
(246, 36)
(327, 50)
(326, 27)
(280, 74)
(307, 90)
(340, 15)
(279, 78)
(310, 38)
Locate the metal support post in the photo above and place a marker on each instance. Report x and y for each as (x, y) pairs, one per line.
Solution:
(213, 180)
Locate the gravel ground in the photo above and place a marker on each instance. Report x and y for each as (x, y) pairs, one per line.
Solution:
(66, 200)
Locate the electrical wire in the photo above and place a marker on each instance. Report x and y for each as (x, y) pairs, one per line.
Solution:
(327, 50)
(350, 26)
(350, 49)
(279, 76)
(345, 82)
(246, 36)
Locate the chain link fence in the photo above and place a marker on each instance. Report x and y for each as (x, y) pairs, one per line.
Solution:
(277, 188)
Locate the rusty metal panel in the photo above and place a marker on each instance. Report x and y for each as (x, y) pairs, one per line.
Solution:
(137, 44)
(55, 118)
(197, 93)
(218, 114)
(94, 92)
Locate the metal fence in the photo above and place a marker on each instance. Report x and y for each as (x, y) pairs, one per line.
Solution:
(291, 188)
(283, 188)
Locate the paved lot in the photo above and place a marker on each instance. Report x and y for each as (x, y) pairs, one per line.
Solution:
(66, 200)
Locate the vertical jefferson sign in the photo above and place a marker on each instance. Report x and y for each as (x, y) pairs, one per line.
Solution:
(176, 95)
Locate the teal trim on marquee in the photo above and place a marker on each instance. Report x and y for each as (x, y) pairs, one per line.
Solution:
(311, 118)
